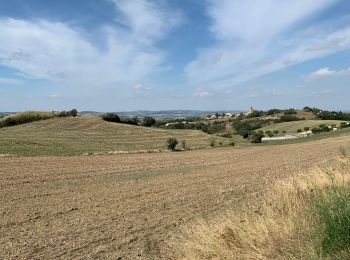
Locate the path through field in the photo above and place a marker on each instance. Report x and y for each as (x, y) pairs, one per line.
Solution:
(127, 205)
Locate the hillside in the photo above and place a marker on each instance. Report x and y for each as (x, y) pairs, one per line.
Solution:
(292, 127)
(76, 136)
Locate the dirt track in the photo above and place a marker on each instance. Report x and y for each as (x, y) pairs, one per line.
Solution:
(127, 205)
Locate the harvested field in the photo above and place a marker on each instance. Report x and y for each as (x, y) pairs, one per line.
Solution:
(90, 134)
(126, 206)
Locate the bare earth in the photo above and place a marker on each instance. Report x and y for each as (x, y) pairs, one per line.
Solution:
(127, 205)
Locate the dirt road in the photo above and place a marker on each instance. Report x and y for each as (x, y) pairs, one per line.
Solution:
(125, 206)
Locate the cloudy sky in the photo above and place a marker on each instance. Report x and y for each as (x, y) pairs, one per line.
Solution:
(118, 55)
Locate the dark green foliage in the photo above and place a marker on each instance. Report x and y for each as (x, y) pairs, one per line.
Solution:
(288, 118)
(111, 117)
(232, 143)
(299, 130)
(273, 111)
(306, 128)
(324, 128)
(256, 113)
(332, 115)
(256, 138)
(276, 132)
(22, 119)
(243, 128)
(72, 113)
(172, 143)
(148, 121)
(316, 130)
(344, 125)
(130, 121)
(290, 111)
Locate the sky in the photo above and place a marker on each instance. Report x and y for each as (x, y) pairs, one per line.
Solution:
(123, 55)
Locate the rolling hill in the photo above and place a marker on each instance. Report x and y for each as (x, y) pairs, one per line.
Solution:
(89, 134)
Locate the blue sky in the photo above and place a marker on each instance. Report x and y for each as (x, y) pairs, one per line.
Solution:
(118, 55)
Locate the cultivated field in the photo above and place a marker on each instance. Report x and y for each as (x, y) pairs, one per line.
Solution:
(128, 206)
(76, 136)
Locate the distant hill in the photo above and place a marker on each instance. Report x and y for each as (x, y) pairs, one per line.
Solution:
(161, 114)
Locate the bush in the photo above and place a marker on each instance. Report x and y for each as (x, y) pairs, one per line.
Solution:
(24, 118)
(256, 138)
(306, 128)
(130, 121)
(344, 125)
(289, 118)
(299, 130)
(290, 111)
(172, 143)
(111, 117)
(232, 143)
(316, 130)
(212, 142)
(148, 121)
(183, 144)
(276, 132)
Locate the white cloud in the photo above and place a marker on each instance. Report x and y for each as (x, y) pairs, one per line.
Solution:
(255, 38)
(147, 19)
(61, 53)
(202, 93)
(324, 73)
(140, 89)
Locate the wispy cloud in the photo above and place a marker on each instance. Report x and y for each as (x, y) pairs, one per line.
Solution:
(139, 89)
(254, 38)
(202, 93)
(325, 73)
(62, 53)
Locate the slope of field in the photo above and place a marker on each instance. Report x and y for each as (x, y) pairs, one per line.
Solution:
(76, 136)
(292, 127)
(126, 206)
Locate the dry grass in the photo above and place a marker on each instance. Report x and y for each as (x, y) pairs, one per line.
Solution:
(283, 224)
(76, 136)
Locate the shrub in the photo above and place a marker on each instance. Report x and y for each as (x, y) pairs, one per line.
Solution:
(232, 143)
(172, 143)
(299, 130)
(212, 142)
(316, 130)
(270, 134)
(284, 131)
(183, 144)
(130, 121)
(290, 111)
(344, 125)
(306, 128)
(276, 132)
(148, 121)
(111, 117)
(256, 138)
(289, 118)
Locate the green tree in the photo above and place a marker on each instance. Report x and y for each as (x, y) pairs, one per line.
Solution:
(148, 121)
(172, 143)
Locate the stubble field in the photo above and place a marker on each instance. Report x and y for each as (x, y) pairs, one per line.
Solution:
(128, 206)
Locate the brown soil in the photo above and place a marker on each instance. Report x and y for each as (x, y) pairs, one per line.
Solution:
(127, 205)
